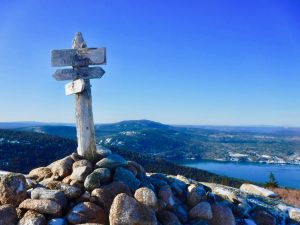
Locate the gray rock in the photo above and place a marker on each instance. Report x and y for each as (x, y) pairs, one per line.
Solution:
(195, 194)
(111, 161)
(254, 189)
(30, 183)
(100, 176)
(127, 178)
(32, 218)
(70, 192)
(12, 189)
(126, 210)
(76, 157)
(67, 180)
(62, 167)
(80, 173)
(187, 181)
(102, 152)
(145, 182)
(168, 218)
(294, 214)
(279, 209)
(249, 222)
(177, 187)
(221, 215)
(82, 162)
(146, 197)
(41, 205)
(55, 195)
(179, 183)
(77, 183)
(157, 183)
(104, 175)
(131, 168)
(106, 194)
(50, 183)
(160, 176)
(90, 224)
(181, 212)
(141, 173)
(165, 193)
(57, 221)
(8, 215)
(161, 205)
(262, 217)
(92, 181)
(86, 212)
(85, 197)
(243, 209)
(232, 194)
(201, 211)
(198, 222)
(40, 173)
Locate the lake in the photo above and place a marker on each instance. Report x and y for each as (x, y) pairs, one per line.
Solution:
(286, 175)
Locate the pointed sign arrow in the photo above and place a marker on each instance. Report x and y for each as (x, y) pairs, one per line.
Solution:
(78, 73)
(78, 57)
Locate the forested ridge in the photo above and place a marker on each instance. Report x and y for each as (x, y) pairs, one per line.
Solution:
(22, 151)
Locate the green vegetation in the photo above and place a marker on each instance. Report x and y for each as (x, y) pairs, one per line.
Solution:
(23, 151)
(267, 144)
(272, 183)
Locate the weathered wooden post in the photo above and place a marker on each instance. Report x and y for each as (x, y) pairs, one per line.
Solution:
(80, 57)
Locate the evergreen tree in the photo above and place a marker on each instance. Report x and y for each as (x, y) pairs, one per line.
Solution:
(272, 183)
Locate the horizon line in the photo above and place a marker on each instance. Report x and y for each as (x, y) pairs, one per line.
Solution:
(171, 124)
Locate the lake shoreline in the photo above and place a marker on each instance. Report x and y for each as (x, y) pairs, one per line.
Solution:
(234, 161)
(287, 175)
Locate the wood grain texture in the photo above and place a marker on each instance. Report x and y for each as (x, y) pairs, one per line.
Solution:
(74, 87)
(85, 123)
(78, 41)
(78, 73)
(78, 57)
(84, 115)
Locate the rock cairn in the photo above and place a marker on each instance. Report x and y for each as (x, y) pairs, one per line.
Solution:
(115, 191)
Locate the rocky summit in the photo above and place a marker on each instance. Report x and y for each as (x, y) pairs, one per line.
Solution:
(115, 191)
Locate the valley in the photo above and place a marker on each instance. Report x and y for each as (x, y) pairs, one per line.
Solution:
(263, 144)
(152, 143)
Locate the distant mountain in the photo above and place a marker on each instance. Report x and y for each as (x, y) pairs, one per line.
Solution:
(253, 144)
(100, 129)
(250, 129)
(57, 130)
(12, 125)
(240, 144)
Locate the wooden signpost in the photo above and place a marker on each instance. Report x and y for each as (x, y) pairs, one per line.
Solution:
(80, 57)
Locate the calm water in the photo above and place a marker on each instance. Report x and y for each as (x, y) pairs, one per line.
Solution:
(286, 175)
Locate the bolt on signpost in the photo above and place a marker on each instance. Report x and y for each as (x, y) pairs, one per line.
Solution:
(80, 57)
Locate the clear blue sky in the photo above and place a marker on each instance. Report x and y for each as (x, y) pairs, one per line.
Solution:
(179, 62)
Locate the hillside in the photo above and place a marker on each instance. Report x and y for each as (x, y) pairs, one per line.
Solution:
(252, 144)
(22, 151)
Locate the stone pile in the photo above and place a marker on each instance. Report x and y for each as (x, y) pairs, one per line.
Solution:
(115, 191)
